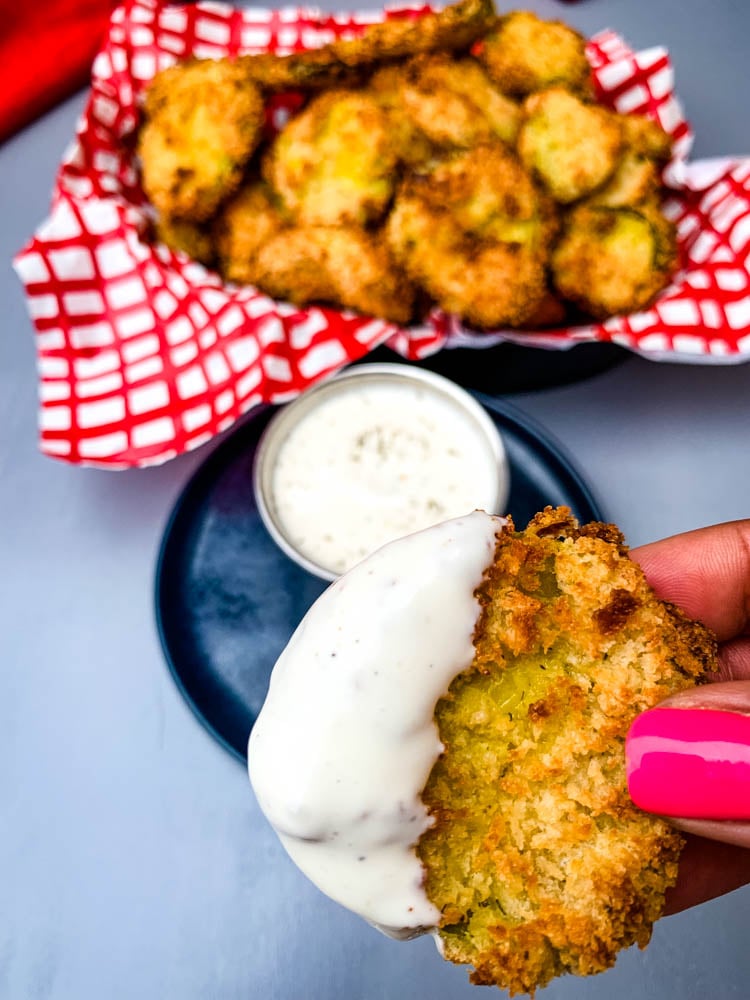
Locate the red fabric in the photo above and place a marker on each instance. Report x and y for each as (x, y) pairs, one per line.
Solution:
(46, 51)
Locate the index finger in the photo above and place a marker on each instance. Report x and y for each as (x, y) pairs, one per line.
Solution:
(706, 573)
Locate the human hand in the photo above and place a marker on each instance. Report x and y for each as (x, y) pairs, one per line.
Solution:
(707, 574)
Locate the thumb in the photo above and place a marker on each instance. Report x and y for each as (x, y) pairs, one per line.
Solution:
(688, 759)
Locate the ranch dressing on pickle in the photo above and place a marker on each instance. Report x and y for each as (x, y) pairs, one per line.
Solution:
(346, 739)
(374, 463)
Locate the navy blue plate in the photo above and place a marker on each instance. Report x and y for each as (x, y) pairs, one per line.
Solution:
(228, 599)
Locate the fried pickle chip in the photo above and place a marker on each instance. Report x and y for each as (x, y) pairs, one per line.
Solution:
(646, 137)
(411, 145)
(343, 265)
(523, 53)
(313, 69)
(614, 260)
(571, 146)
(449, 30)
(537, 860)
(243, 226)
(489, 194)
(454, 103)
(488, 283)
(203, 123)
(637, 177)
(472, 232)
(334, 162)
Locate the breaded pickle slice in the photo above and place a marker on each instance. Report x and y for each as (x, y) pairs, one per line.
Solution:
(243, 226)
(644, 136)
(453, 102)
(637, 177)
(537, 860)
(412, 146)
(489, 194)
(614, 260)
(344, 265)
(488, 283)
(203, 123)
(523, 53)
(311, 70)
(570, 146)
(472, 232)
(452, 29)
(334, 162)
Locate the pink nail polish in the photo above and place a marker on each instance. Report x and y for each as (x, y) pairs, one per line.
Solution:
(691, 763)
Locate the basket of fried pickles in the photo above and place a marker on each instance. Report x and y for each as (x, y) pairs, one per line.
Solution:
(457, 160)
(256, 198)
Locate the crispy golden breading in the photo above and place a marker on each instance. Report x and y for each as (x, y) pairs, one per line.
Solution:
(646, 137)
(490, 195)
(345, 265)
(243, 226)
(412, 147)
(637, 177)
(537, 860)
(314, 69)
(334, 162)
(203, 122)
(489, 283)
(614, 260)
(571, 146)
(448, 30)
(472, 232)
(187, 237)
(454, 103)
(524, 53)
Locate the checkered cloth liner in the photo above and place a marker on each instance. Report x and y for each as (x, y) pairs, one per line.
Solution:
(143, 354)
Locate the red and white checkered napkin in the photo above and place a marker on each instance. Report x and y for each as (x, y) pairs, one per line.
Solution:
(144, 354)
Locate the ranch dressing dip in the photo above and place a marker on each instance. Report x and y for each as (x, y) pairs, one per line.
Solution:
(376, 461)
(346, 740)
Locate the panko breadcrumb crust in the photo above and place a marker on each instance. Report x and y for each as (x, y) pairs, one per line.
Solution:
(203, 123)
(537, 860)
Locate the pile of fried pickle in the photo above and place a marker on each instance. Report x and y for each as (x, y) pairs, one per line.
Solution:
(458, 159)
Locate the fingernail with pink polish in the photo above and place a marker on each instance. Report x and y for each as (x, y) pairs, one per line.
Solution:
(691, 763)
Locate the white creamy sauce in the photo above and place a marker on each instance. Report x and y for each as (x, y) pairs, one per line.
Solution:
(374, 463)
(346, 739)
